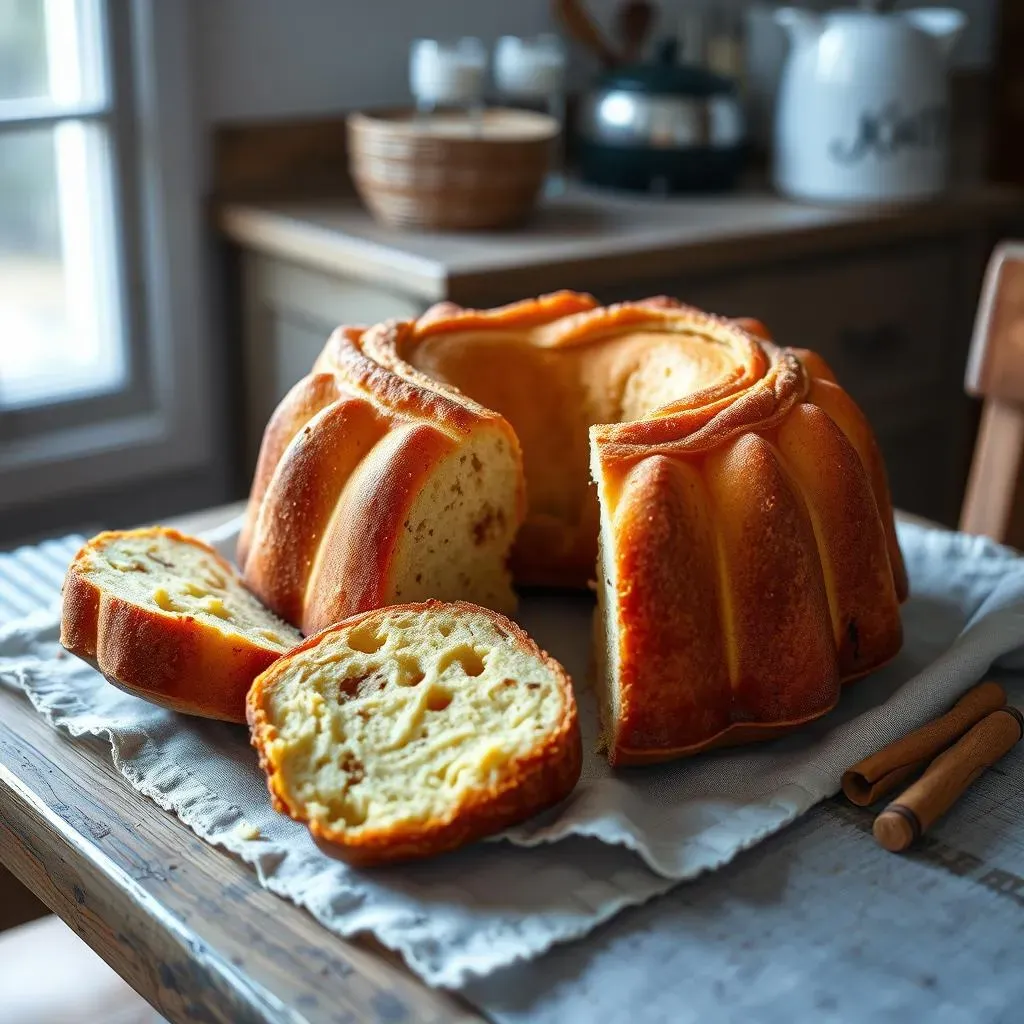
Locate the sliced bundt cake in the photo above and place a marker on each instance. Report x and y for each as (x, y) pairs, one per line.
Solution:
(411, 730)
(748, 563)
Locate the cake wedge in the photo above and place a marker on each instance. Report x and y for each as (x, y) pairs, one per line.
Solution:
(164, 617)
(407, 731)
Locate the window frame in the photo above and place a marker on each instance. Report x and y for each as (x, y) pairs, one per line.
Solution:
(159, 422)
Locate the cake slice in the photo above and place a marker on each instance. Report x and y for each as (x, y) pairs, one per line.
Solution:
(407, 731)
(164, 617)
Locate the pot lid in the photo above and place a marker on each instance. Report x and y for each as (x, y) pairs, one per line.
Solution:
(665, 77)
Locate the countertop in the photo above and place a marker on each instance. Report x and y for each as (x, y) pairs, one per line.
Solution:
(586, 237)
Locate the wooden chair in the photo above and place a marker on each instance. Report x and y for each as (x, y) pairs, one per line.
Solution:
(994, 500)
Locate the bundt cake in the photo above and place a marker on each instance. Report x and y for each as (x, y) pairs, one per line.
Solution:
(748, 557)
(164, 617)
(411, 730)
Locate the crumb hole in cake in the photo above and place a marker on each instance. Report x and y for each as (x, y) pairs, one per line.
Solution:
(371, 681)
(366, 640)
(483, 527)
(350, 687)
(445, 629)
(352, 816)
(468, 658)
(122, 566)
(533, 686)
(410, 672)
(438, 699)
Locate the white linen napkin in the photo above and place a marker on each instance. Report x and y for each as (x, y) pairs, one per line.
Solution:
(620, 839)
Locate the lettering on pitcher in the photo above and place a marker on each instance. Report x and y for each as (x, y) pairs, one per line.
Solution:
(890, 130)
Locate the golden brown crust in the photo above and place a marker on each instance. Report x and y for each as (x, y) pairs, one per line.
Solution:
(754, 647)
(850, 538)
(345, 356)
(168, 659)
(533, 783)
(307, 398)
(293, 522)
(544, 309)
(845, 413)
(674, 682)
(355, 569)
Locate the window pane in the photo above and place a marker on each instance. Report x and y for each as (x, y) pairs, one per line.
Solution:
(50, 50)
(59, 332)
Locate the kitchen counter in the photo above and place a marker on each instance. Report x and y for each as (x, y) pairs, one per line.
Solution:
(587, 237)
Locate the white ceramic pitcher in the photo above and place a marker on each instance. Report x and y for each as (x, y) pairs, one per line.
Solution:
(863, 105)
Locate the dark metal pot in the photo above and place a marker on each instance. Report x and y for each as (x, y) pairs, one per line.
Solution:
(662, 127)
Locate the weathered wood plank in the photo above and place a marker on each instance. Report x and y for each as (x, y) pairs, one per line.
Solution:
(186, 924)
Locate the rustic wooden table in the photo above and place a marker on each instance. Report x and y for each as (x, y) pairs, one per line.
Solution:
(186, 924)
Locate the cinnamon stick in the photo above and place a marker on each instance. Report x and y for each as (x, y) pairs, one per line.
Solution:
(870, 779)
(916, 810)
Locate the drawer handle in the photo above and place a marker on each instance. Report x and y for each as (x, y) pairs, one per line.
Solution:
(880, 340)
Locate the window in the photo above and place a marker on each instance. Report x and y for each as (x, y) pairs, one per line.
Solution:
(104, 374)
(62, 325)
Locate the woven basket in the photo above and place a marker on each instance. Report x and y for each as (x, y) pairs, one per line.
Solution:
(443, 175)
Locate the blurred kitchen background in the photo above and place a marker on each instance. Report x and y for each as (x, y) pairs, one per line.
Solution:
(180, 227)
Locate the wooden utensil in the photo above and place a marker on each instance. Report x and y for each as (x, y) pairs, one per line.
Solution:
(633, 22)
(908, 818)
(579, 25)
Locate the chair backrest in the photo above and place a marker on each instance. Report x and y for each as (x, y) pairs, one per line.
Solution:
(994, 501)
